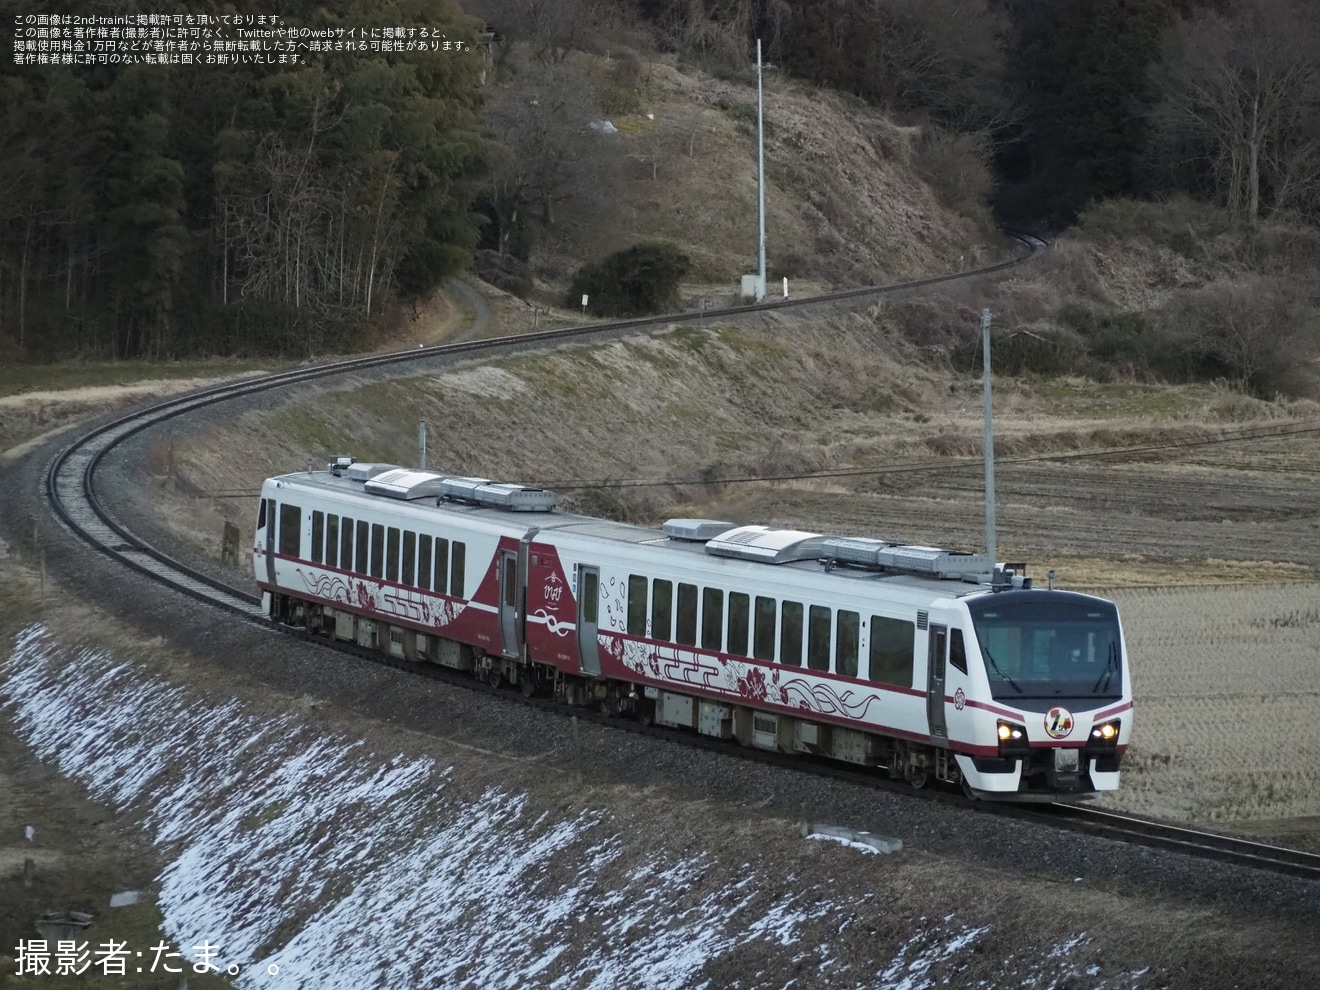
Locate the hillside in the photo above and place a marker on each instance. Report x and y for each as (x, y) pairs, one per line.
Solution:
(845, 202)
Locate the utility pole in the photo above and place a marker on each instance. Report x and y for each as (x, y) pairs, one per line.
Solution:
(989, 447)
(760, 177)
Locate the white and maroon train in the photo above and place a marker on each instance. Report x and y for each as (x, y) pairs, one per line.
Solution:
(931, 663)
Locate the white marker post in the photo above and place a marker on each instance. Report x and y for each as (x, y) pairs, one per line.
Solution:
(584, 304)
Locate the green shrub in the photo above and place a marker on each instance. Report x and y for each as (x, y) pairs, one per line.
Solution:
(635, 282)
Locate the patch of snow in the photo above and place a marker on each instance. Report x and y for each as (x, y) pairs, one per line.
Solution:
(859, 846)
(307, 852)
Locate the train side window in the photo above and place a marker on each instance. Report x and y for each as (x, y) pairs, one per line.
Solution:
(846, 637)
(331, 541)
(424, 562)
(392, 554)
(457, 568)
(590, 597)
(409, 575)
(318, 535)
(790, 634)
(763, 642)
(441, 565)
(740, 609)
(818, 638)
(363, 545)
(662, 609)
(712, 618)
(686, 633)
(957, 652)
(346, 546)
(636, 605)
(377, 550)
(290, 530)
(890, 654)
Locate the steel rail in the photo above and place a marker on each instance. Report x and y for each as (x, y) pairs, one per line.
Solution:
(70, 477)
(70, 490)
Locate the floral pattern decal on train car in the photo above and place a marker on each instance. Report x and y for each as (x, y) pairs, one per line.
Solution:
(738, 679)
(733, 677)
(382, 600)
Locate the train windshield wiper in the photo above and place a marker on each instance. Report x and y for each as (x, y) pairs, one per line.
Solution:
(1102, 682)
(1000, 670)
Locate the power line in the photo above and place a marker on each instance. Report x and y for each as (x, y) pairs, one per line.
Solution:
(1247, 434)
(947, 465)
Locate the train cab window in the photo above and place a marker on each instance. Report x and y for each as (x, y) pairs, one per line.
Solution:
(377, 569)
(763, 640)
(636, 605)
(409, 575)
(740, 608)
(318, 535)
(332, 541)
(424, 562)
(686, 631)
(457, 568)
(392, 555)
(712, 618)
(846, 636)
(790, 633)
(261, 515)
(662, 609)
(890, 653)
(290, 530)
(957, 652)
(346, 546)
(818, 638)
(441, 565)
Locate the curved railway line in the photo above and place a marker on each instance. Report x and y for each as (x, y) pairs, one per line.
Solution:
(70, 489)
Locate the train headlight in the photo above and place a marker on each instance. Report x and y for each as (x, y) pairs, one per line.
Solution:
(1105, 731)
(1011, 736)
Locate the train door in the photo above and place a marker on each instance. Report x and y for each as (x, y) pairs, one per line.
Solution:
(939, 638)
(270, 541)
(588, 613)
(509, 602)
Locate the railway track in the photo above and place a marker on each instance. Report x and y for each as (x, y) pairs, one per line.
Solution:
(70, 490)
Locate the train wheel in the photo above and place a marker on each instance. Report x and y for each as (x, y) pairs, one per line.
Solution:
(917, 777)
(495, 676)
(645, 712)
(527, 683)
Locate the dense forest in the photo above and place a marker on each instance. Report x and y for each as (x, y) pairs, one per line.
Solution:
(157, 211)
(153, 211)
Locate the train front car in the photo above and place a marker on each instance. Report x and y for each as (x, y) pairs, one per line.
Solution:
(1048, 708)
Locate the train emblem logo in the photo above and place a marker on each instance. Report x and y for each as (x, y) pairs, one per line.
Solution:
(959, 699)
(553, 589)
(1058, 722)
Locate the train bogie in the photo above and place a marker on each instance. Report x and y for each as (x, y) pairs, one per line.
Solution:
(922, 661)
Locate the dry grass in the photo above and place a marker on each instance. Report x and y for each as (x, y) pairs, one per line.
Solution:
(843, 204)
(781, 397)
(1029, 930)
(1226, 695)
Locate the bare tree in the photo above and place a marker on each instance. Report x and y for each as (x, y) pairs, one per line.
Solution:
(1239, 89)
(1259, 330)
(552, 28)
(551, 153)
